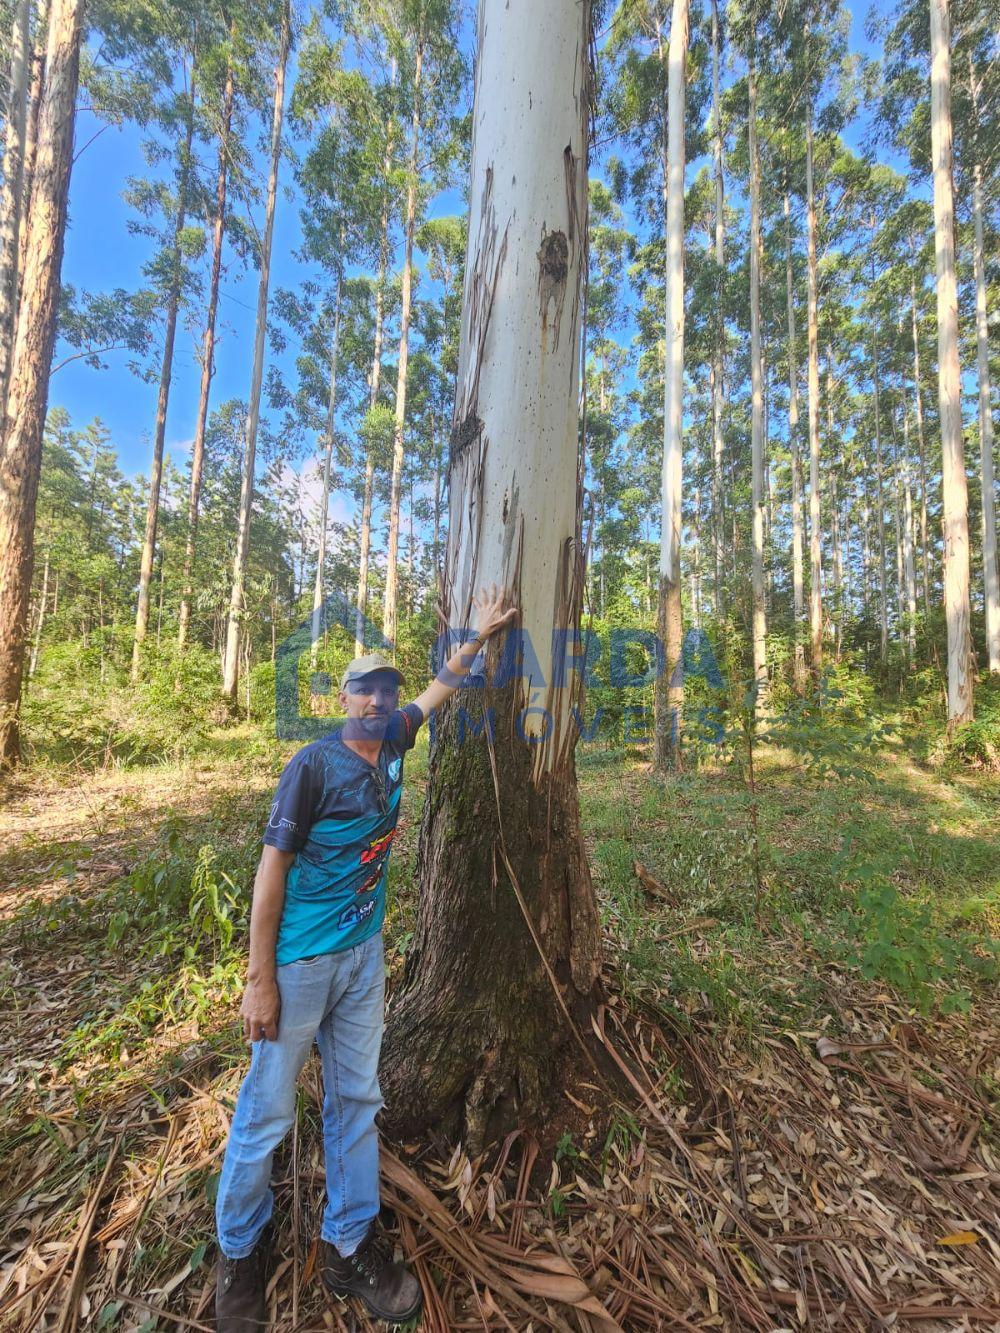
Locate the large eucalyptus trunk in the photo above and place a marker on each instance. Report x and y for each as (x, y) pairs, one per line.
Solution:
(230, 675)
(991, 584)
(815, 516)
(756, 406)
(669, 700)
(718, 354)
(389, 605)
(207, 361)
(955, 514)
(505, 956)
(148, 555)
(12, 193)
(324, 503)
(796, 452)
(27, 400)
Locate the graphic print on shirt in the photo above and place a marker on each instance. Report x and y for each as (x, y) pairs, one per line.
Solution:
(377, 846)
(340, 819)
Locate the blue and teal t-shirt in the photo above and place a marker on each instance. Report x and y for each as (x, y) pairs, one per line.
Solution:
(338, 813)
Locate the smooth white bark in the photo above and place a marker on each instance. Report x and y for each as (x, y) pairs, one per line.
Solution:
(756, 407)
(718, 359)
(670, 698)
(815, 517)
(389, 607)
(955, 515)
(794, 443)
(991, 583)
(514, 478)
(909, 564)
(324, 504)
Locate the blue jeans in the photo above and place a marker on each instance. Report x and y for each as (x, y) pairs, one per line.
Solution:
(338, 1000)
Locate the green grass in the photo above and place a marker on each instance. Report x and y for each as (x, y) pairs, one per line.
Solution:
(893, 875)
(891, 878)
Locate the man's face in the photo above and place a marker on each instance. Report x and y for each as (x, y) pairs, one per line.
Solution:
(368, 703)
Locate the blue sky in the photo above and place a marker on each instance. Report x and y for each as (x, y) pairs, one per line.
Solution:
(101, 255)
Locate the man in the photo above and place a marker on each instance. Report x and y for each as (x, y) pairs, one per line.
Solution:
(316, 972)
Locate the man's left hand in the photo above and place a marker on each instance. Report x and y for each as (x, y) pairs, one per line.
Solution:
(489, 613)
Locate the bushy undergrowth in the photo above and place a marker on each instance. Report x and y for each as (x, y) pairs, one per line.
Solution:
(80, 707)
(976, 744)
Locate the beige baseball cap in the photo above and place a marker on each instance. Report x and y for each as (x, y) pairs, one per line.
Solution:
(365, 666)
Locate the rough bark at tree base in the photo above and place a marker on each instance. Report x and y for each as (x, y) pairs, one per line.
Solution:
(475, 1030)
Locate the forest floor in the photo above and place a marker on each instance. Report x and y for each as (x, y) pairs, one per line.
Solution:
(799, 982)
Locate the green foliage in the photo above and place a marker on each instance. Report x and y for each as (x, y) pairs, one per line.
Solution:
(904, 942)
(976, 744)
(80, 708)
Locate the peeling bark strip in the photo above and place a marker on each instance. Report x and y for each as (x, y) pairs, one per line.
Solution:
(475, 1033)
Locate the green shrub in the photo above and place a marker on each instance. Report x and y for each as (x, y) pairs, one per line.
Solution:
(81, 709)
(976, 744)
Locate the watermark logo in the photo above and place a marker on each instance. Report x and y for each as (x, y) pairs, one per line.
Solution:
(626, 660)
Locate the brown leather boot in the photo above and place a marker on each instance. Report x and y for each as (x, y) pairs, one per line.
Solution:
(388, 1290)
(239, 1292)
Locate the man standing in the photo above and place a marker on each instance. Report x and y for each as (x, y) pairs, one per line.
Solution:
(316, 972)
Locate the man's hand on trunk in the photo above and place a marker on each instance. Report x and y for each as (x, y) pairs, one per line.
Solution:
(490, 612)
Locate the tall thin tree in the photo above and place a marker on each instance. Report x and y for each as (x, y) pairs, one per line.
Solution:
(389, 607)
(991, 581)
(12, 192)
(795, 446)
(718, 367)
(173, 300)
(207, 356)
(955, 516)
(234, 624)
(756, 394)
(324, 502)
(812, 344)
(670, 685)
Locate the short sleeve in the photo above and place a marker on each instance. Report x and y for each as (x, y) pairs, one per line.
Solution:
(295, 800)
(401, 733)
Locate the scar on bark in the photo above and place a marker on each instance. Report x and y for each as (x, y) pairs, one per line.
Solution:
(553, 268)
(464, 434)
